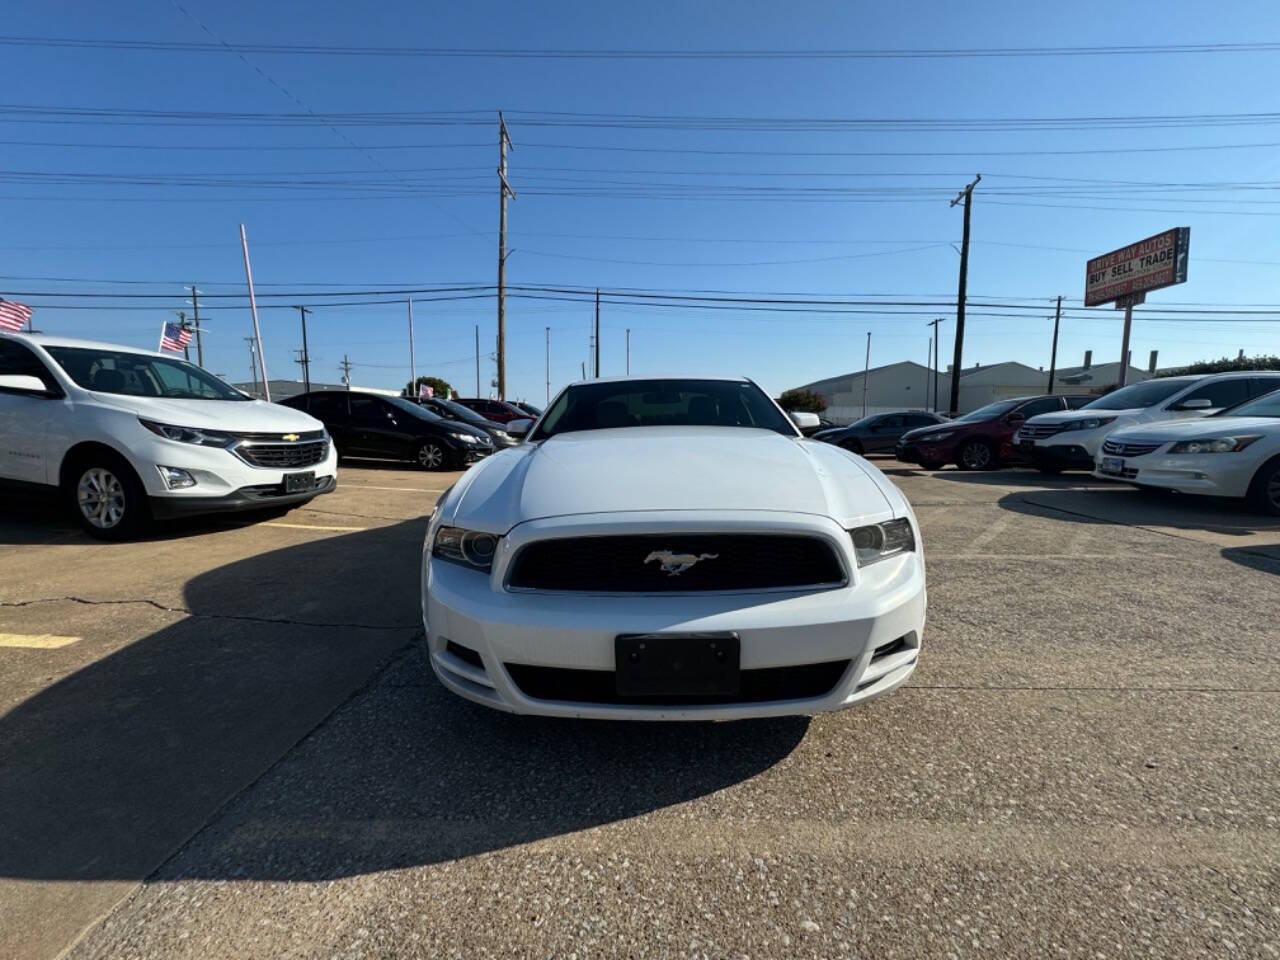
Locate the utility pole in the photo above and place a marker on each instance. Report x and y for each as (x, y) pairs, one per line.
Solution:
(866, 369)
(504, 190)
(413, 369)
(934, 323)
(477, 360)
(253, 363)
(584, 369)
(597, 333)
(345, 367)
(306, 355)
(965, 197)
(182, 323)
(195, 321)
(928, 358)
(1053, 354)
(628, 351)
(548, 365)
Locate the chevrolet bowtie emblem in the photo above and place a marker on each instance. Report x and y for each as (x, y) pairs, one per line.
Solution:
(290, 437)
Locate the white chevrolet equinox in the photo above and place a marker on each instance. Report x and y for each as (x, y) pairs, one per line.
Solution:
(126, 435)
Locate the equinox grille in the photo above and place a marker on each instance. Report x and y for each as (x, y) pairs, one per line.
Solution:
(283, 454)
(634, 564)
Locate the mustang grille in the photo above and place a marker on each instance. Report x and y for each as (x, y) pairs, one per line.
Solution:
(1118, 449)
(661, 563)
(287, 454)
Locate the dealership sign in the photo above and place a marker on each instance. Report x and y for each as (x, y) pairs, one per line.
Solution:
(1159, 261)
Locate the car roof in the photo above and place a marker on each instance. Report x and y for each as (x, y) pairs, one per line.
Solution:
(47, 340)
(726, 378)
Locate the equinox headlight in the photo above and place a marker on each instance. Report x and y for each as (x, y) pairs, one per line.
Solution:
(1092, 423)
(466, 547)
(1212, 445)
(201, 438)
(881, 540)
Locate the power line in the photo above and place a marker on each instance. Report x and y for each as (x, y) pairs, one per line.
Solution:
(313, 49)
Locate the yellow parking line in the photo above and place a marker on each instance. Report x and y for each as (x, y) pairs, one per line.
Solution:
(36, 641)
(309, 526)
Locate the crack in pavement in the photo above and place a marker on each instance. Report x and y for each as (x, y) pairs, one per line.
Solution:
(285, 621)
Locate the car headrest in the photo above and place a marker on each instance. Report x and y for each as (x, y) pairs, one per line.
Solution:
(108, 381)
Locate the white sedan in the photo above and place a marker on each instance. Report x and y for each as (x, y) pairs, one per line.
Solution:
(672, 548)
(1234, 454)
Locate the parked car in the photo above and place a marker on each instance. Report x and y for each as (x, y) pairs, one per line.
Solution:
(126, 436)
(672, 549)
(499, 411)
(532, 412)
(979, 440)
(393, 428)
(1235, 453)
(879, 432)
(1063, 441)
(456, 411)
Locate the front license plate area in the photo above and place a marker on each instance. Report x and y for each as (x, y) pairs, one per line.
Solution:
(1113, 465)
(684, 664)
(299, 482)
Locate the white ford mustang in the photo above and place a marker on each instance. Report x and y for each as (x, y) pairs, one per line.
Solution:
(672, 548)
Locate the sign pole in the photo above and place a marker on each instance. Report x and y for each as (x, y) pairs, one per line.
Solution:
(413, 369)
(1124, 345)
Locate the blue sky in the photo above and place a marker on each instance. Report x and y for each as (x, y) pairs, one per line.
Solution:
(441, 230)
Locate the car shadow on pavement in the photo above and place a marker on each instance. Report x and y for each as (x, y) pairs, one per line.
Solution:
(110, 770)
(1266, 559)
(1148, 508)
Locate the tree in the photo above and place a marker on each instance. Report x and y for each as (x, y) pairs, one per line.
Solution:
(807, 400)
(441, 387)
(1225, 365)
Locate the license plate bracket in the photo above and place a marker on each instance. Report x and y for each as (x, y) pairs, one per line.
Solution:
(677, 664)
(299, 482)
(1113, 465)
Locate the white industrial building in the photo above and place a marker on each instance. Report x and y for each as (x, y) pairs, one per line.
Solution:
(282, 389)
(909, 386)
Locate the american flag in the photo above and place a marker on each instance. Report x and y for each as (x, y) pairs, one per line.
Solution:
(13, 316)
(175, 337)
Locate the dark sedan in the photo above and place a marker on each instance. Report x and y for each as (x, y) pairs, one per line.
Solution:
(878, 433)
(370, 425)
(499, 411)
(979, 440)
(456, 411)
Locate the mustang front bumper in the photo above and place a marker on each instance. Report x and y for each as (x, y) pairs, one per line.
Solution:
(552, 653)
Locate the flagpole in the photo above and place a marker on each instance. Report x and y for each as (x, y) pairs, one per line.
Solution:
(253, 308)
(160, 345)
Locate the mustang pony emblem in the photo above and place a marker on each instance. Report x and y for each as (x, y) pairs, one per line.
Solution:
(290, 437)
(674, 564)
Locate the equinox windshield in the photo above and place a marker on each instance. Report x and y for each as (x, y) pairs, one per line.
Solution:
(141, 375)
(662, 403)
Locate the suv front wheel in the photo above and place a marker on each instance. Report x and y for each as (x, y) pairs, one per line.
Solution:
(107, 498)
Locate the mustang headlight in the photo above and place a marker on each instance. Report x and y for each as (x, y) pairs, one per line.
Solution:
(1212, 445)
(881, 540)
(466, 547)
(1091, 423)
(202, 438)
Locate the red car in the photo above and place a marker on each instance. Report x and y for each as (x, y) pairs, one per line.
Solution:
(499, 411)
(982, 439)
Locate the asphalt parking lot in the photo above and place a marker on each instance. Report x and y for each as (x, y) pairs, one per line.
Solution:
(225, 742)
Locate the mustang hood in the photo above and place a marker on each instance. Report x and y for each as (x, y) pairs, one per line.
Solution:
(669, 468)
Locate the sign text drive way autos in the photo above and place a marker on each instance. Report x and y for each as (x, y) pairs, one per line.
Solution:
(1149, 264)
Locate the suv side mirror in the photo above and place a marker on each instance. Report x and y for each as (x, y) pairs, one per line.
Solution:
(1195, 403)
(21, 383)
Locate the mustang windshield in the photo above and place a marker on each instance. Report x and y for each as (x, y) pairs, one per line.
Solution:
(662, 403)
(141, 375)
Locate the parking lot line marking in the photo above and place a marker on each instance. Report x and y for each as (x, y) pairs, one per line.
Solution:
(36, 641)
(309, 526)
(370, 486)
(993, 531)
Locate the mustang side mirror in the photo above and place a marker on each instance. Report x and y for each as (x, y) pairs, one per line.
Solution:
(805, 420)
(518, 428)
